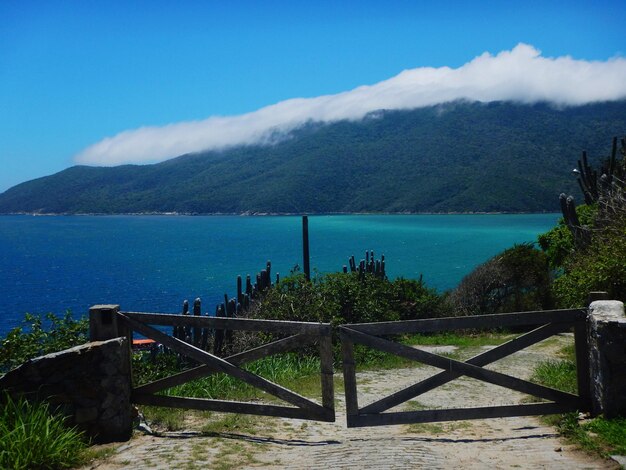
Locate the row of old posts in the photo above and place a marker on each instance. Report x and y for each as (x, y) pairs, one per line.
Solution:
(241, 303)
(237, 306)
(230, 308)
(368, 265)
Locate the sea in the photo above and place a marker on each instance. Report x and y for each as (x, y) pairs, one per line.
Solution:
(153, 263)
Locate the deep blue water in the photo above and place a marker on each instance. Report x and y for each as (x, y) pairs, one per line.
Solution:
(153, 263)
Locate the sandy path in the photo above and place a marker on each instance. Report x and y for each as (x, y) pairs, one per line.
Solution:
(523, 442)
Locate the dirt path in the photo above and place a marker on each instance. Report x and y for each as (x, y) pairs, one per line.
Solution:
(523, 442)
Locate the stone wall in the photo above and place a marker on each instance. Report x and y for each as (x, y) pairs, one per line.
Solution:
(91, 384)
(607, 357)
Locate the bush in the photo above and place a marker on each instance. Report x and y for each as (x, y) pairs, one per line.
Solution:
(600, 267)
(41, 336)
(348, 298)
(34, 438)
(515, 280)
(558, 243)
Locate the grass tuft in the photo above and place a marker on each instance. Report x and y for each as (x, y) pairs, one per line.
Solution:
(599, 436)
(33, 437)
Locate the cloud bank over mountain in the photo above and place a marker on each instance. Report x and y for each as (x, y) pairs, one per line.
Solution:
(521, 75)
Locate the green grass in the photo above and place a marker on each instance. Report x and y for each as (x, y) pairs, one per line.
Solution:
(33, 437)
(162, 418)
(290, 370)
(231, 423)
(299, 373)
(460, 339)
(559, 374)
(599, 436)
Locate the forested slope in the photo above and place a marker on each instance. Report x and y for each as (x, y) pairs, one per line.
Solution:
(453, 157)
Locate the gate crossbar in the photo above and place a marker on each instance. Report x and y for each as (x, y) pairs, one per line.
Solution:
(281, 345)
(372, 414)
(481, 359)
(304, 408)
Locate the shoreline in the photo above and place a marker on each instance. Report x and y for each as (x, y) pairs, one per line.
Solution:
(261, 214)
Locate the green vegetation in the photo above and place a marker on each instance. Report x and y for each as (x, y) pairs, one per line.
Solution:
(452, 157)
(588, 250)
(40, 336)
(339, 298)
(598, 435)
(287, 369)
(515, 280)
(33, 437)
(585, 253)
(574, 259)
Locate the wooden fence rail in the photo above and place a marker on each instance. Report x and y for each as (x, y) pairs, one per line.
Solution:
(108, 321)
(551, 323)
(114, 323)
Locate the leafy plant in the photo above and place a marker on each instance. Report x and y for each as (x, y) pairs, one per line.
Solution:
(597, 260)
(41, 336)
(516, 279)
(33, 437)
(599, 435)
(348, 298)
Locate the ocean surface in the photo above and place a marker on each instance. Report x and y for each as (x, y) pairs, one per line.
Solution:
(153, 263)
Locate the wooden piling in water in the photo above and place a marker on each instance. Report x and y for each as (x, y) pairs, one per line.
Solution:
(305, 248)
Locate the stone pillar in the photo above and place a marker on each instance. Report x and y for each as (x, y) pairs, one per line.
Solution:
(90, 384)
(103, 322)
(607, 357)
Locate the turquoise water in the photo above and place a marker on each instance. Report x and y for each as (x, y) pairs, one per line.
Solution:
(153, 263)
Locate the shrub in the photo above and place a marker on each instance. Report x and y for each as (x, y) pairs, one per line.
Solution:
(558, 243)
(348, 298)
(41, 336)
(600, 267)
(515, 280)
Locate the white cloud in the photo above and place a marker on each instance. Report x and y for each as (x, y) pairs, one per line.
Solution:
(520, 75)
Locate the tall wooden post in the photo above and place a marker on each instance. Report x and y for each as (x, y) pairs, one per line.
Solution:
(305, 247)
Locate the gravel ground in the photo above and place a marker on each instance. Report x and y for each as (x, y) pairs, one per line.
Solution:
(522, 442)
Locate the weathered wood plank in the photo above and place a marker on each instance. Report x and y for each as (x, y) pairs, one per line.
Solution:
(326, 366)
(454, 414)
(243, 324)
(463, 368)
(430, 325)
(349, 376)
(231, 407)
(583, 373)
(275, 347)
(222, 365)
(482, 359)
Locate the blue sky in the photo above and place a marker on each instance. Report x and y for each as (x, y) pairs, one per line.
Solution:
(74, 73)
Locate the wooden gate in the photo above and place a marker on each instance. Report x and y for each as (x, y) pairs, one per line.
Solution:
(301, 333)
(547, 323)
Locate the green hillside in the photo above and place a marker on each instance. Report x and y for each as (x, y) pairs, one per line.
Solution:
(454, 157)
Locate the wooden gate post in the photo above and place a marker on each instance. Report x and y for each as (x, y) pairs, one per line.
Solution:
(305, 247)
(103, 323)
(607, 357)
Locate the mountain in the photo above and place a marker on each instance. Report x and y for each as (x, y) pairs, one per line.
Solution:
(456, 157)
